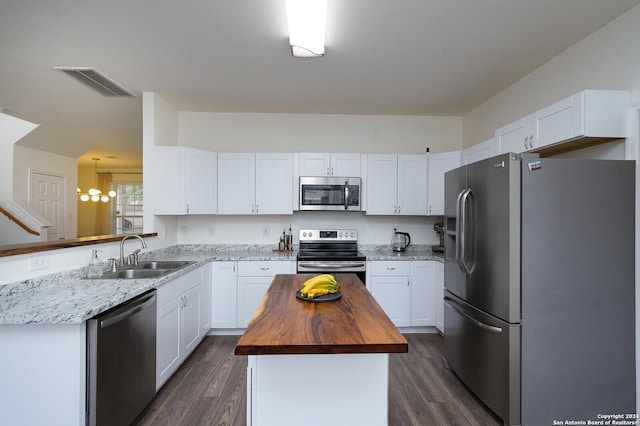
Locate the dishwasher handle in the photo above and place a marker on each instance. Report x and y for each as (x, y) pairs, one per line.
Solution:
(136, 307)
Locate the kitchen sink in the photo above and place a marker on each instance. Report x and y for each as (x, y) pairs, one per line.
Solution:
(148, 269)
(136, 273)
(161, 264)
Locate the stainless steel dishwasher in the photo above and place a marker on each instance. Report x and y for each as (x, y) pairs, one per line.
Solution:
(121, 361)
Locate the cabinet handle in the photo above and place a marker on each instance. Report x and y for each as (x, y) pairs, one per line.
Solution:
(256, 209)
(531, 141)
(187, 208)
(328, 171)
(264, 268)
(391, 268)
(253, 208)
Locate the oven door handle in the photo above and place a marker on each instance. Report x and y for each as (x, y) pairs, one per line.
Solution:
(330, 265)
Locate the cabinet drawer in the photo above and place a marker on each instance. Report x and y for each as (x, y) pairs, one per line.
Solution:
(174, 288)
(390, 268)
(264, 268)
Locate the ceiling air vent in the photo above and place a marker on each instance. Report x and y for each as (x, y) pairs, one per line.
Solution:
(96, 80)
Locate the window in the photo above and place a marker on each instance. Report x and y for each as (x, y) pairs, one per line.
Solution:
(126, 213)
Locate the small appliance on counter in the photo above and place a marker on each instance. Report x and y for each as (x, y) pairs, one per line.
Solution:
(400, 241)
(439, 228)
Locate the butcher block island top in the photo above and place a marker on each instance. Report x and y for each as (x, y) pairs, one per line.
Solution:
(354, 323)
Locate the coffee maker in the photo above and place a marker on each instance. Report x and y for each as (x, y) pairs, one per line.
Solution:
(439, 228)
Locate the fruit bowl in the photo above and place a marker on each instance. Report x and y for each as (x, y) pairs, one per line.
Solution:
(324, 298)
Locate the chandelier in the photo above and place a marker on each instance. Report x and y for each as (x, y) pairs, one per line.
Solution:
(93, 193)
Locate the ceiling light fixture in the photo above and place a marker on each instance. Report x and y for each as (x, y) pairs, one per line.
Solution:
(95, 194)
(307, 26)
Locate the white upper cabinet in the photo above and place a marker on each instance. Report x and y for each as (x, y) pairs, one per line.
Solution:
(323, 164)
(184, 181)
(255, 183)
(514, 137)
(397, 184)
(590, 113)
(477, 152)
(439, 164)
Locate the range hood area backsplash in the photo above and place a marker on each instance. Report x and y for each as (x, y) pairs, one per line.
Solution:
(252, 229)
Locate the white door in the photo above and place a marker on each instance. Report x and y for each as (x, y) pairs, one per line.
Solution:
(48, 197)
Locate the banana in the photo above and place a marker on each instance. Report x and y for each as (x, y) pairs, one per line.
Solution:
(319, 285)
(322, 277)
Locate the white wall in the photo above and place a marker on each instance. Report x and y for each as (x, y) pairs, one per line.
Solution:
(11, 130)
(227, 132)
(606, 59)
(159, 127)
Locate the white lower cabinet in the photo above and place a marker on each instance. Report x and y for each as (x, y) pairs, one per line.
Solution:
(406, 291)
(224, 295)
(438, 276)
(390, 286)
(254, 278)
(179, 322)
(423, 296)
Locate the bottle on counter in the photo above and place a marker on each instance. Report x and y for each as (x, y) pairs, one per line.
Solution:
(95, 268)
(288, 240)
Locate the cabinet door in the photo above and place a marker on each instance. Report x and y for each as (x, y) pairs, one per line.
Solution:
(560, 121)
(251, 290)
(382, 184)
(190, 320)
(224, 295)
(514, 136)
(274, 193)
(438, 279)
(169, 179)
(486, 149)
(205, 300)
(412, 184)
(344, 164)
(315, 164)
(393, 293)
(439, 164)
(168, 340)
(423, 293)
(200, 181)
(236, 183)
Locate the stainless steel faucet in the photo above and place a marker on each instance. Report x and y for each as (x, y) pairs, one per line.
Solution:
(143, 245)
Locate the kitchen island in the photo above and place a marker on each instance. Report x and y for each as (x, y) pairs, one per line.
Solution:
(318, 363)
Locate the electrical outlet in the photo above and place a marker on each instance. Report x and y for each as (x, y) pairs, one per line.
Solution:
(266, 231)
(184, 229)
(38, 262)
(212, 230)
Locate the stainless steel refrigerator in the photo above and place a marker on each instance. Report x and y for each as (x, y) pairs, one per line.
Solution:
(539, 286)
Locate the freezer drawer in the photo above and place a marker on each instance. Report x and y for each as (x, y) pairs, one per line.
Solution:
(484, 352)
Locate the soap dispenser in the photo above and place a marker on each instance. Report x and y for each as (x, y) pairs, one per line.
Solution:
(95, 268)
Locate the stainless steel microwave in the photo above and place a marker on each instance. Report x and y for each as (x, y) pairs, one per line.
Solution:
(329, 193)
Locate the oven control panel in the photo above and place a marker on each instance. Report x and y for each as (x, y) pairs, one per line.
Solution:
(329, 235)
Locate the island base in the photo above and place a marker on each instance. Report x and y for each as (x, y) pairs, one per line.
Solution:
(318, 389)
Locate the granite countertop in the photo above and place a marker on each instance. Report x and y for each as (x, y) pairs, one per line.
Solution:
(69, 298)
(384, 252)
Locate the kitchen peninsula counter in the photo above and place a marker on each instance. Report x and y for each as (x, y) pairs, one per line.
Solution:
(318, 363)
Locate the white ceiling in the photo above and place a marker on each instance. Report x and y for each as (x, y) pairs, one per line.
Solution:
(409, 57)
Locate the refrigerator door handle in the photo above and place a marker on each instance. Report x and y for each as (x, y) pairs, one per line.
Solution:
(460, 230)
(468, 262)
(480, 324)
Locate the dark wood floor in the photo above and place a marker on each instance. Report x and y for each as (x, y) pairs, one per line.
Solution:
(210, 389)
